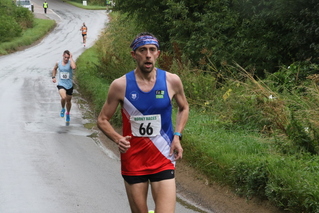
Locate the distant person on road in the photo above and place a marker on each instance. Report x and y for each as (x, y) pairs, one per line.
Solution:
(149, 145)
(84, 30)
(108, 5)
(45, 6)
(65, 83)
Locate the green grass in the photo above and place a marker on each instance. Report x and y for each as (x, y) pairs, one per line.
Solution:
(29, 36)
(251, 165)
(90, 85)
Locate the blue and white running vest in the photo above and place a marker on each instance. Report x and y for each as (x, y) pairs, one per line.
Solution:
(147, 118)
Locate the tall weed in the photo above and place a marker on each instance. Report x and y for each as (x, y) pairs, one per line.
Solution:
(114, 47)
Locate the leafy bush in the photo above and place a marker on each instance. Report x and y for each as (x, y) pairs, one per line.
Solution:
(7, 7)
(9, 28)
(294, 76)
(24, 17)
(257, 34)
(301, 137)
(13, 20)
(30, 35)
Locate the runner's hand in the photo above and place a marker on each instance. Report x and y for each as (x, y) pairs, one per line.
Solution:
(176, 149)
(124, 144)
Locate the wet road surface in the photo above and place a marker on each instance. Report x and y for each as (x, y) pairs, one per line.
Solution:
(45, 165)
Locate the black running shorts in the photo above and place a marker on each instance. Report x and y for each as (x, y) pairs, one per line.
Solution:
(164, 175)
(68, 91)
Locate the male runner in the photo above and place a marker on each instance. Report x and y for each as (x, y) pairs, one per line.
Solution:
(149, 147)
(65, 83)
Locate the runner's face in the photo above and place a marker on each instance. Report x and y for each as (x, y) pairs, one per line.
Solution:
(66, 58)
(146, 57)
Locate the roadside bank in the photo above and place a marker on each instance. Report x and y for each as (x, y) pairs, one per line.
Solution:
(43, 25)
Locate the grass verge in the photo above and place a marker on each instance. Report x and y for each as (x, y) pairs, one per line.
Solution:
(29, 36)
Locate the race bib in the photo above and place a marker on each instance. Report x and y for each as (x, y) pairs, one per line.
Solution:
(64, 75)
(146, 125)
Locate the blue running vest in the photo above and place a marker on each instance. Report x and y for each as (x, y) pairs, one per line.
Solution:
(147, 155)
(65, 70)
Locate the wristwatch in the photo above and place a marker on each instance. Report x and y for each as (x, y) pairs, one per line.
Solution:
(178, 134)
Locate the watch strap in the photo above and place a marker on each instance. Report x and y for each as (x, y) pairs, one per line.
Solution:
(178, 134)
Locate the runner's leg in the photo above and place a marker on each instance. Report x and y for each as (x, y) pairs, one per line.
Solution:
(164, 195)
(63, 95)
(68, 103)
(137, 196)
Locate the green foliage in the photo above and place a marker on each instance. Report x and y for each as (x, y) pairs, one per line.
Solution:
(29, 36)
(7, 7)
(293, 77)
(300, 136)
(13, 20)
(91, 85)
(198, 84)
(9, 28)
(250, 177)
(293, 184)
(24, 17)
(114, 48)
(260, 35)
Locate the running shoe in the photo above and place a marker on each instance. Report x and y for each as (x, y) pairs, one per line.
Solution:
(62, 113)
(67, 118)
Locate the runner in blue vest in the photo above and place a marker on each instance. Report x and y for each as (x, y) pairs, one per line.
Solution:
(65, 83)
(149, 144)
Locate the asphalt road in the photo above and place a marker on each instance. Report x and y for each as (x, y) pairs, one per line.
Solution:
(45, 165)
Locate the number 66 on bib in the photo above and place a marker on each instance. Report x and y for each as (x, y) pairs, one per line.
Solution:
(146, 125)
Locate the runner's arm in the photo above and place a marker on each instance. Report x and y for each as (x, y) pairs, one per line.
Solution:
(114, 98)
(72, 63)
(182, 114)
(54, 72)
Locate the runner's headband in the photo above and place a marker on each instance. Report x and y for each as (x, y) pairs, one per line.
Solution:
(144, 40)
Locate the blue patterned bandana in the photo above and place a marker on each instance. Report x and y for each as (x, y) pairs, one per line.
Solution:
(144, 40)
